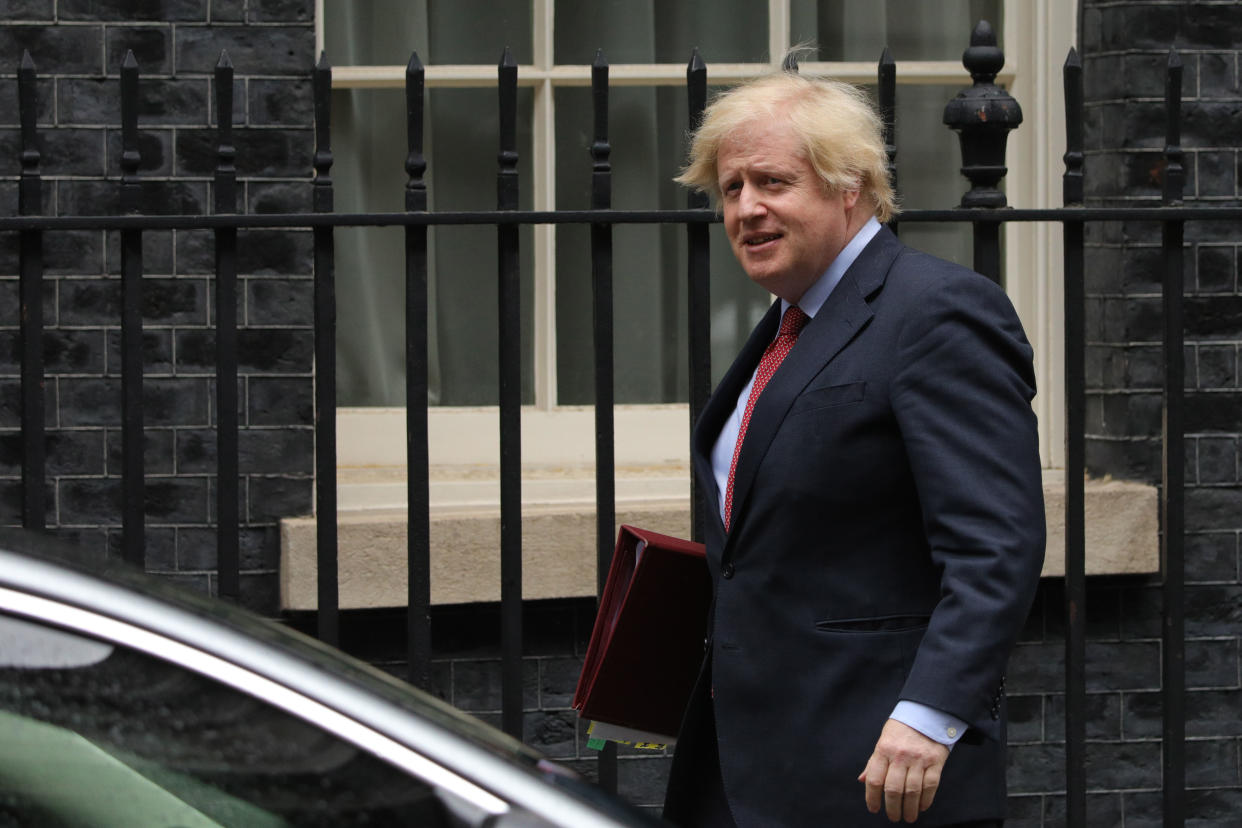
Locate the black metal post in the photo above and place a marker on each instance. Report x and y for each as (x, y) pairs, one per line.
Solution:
(133, 485)
(30, 289)
(982, 115)
(328, 598)
(509, 300)
(887, 96)
(601, 316)
(1172, 492)
(227, 479)
(418, 564)
(698, 292)
(1075, 457)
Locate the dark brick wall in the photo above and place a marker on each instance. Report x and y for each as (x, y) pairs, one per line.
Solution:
(1125, 46)
(77, 47)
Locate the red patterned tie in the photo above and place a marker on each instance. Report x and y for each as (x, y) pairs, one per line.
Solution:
(791, 325)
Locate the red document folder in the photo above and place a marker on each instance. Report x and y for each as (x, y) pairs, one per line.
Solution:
(647, 644)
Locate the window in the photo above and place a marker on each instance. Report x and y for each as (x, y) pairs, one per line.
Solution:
(648, 45)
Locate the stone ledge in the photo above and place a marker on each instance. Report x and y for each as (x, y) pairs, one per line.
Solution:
(558, 546)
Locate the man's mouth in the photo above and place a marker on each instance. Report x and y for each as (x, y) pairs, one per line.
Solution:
(755, 241)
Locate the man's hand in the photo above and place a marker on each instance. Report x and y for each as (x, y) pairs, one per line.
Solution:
(903, 772)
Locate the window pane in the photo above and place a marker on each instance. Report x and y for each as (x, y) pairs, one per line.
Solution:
(911, 29)
(648, 127)
(384, 32)
(929, 175)
(661, 32)
(462, 140)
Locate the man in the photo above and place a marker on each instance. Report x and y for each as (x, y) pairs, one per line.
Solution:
(881, 528)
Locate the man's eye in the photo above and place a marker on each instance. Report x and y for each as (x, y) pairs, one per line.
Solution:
(774, 180)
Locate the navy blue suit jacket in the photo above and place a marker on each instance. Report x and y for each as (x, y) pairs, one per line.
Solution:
(887, 539)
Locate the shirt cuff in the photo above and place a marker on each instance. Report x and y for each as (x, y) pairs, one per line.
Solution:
(932, 723)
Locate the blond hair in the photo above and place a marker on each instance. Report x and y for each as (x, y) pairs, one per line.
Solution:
(838, 127)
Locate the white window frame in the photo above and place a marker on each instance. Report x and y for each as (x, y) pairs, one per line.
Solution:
(1037, 35)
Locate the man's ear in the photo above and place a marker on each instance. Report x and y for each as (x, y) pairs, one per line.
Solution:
(849, 198)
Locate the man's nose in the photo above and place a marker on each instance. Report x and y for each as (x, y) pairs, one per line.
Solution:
(751, 204)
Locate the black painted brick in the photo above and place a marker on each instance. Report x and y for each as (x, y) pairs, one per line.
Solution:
(157, 253)
(155, 197)
(258, 547)
(1216, 268)
(1218, 460)
(274, 301)
(276, 401)
(72, 251)
(260, 451)
(151, 45)
(269, 153)
(1214, 317)
(277, 50)
(1218, 74)
(157, 451)
(281, 102)
(280, 11)
(154, 10)
(277, 197)
(1212, 556)
(275, 253)
(1215, 173)
(553, 733)
(1215, 508)
(154, 151)
(273, 498)
(161, 101)
(68, 50)
(1209, 714)
(26, 10)
(1218, 366)
(1102, 713)
(1212, 663)
(157, 355)
(1123, 764)
(260, 351)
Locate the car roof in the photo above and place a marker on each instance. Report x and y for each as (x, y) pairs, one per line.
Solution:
(42, 566)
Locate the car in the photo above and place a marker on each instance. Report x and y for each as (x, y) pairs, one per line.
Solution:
(128, 701)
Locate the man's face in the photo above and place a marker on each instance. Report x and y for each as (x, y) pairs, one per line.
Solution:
(784, 224)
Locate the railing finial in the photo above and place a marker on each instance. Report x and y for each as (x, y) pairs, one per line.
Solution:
(982, 115)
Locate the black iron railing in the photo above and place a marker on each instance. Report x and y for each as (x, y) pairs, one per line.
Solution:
(983, 163)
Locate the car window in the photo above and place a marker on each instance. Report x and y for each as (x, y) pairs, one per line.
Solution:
(103, 735)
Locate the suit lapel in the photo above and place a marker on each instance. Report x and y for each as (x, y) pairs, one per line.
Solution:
(843, 315)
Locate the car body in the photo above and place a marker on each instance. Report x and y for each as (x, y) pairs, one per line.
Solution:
(128, 701)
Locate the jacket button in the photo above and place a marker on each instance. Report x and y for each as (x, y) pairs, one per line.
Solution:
(727, 571)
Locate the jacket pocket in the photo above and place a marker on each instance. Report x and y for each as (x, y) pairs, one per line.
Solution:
(875, 624)
(814, 399)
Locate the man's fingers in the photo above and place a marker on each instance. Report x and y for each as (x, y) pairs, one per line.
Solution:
(931, 782)
(873, 778)
(913, 794)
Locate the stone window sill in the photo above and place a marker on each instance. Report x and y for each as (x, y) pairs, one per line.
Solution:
(558, 532)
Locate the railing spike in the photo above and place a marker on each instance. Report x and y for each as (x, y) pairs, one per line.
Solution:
(600, 60)
(1073, 58)
(696, 61)
(130, 62)
(506, 59)
(27, 60)
(224, 62)
(414, 66)
(323, 61)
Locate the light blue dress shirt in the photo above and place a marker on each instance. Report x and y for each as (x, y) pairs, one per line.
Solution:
(932, 723)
